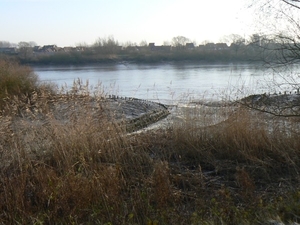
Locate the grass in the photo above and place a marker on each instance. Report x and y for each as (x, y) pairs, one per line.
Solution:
(16, 80)
(64, 161)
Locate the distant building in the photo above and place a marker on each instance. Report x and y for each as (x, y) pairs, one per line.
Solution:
(210, 46)
(221, 46)
(161, 48)
(8, 50)
(85, 48)
(190, 46)
(214, 47)
(69, 49)
(36, 48)
(50, 48)
(46, 49)
(152, 46)
(201, 47)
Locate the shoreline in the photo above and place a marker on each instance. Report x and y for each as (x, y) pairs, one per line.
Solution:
(188, 150)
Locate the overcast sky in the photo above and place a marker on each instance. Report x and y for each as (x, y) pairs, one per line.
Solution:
(69, 22)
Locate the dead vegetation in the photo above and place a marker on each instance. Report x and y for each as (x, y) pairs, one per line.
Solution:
(72, 164)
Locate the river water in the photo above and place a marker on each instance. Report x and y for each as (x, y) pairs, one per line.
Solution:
(166, 83)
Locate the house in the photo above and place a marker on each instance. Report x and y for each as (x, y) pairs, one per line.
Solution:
(210, 47)
(161, 48)
(49, 48)
(69, 49)
(190, 46)
(215, 47)
(221, 46)
(152, 46)
(36, 48)
(84, 48)
(8, 50)
(201, 47)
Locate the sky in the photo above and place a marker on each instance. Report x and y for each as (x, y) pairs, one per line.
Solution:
(74, 22)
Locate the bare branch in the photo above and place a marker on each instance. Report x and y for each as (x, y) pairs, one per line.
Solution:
(291, 4)
(287, 106)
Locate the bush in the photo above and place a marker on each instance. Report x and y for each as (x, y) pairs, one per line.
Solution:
(15, 80)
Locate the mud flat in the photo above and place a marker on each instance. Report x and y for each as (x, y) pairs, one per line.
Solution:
(262, 108)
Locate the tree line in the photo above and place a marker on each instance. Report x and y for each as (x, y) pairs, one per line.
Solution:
(280, 48)
(233, 48)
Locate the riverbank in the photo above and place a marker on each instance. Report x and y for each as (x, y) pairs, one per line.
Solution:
(69, 159)
(137, 57)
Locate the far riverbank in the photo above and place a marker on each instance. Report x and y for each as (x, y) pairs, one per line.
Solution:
(91, 56)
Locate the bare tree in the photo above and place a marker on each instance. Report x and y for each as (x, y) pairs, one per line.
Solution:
(179, 41)
(292, 3)
(25, 50)
(166, 43)
(5, 44)
(235, 41)
(280, 49)
(144, 43)
(106, 45)
(32, 43)
(205, 42)
(281, 20)
(129, 44)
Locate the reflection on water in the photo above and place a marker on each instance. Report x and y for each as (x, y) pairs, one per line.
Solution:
(167, 83)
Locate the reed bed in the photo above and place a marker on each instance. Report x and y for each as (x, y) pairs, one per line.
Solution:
(63, 160)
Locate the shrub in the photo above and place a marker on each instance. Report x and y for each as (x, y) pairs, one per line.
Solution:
(15, 80)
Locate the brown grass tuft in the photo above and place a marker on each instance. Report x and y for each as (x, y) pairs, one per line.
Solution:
(161, 183)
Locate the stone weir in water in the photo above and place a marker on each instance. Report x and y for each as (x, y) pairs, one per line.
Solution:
(135, 113)
(131, 113)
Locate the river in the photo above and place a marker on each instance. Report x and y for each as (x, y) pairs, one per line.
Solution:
(166, 83)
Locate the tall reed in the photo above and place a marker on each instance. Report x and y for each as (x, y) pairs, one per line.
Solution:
(65, 160)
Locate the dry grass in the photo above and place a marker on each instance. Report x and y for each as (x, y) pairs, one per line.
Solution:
(63, 161)
(16, 80)
(233, 171)
(63, 169)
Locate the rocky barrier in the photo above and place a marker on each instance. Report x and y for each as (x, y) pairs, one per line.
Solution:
(131, 113)
(135, 113)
